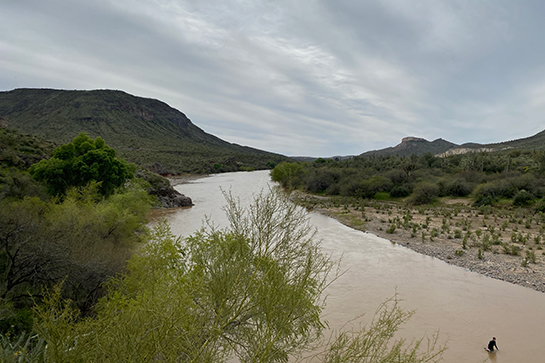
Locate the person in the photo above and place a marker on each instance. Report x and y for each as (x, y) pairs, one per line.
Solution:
(492, 344)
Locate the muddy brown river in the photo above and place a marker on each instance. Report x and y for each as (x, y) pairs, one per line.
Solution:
(468, 309)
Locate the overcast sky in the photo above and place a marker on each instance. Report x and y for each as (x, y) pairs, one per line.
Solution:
(309, 77)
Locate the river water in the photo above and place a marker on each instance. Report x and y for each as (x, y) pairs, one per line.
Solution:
(467, 308)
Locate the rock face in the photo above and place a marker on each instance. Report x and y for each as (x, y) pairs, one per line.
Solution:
(167, 196)
(171, 198)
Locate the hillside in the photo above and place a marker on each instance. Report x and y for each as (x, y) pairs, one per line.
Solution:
(440, 147)
(414, 145)
(535, 142)
(145, 131)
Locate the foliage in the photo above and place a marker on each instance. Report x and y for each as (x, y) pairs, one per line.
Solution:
(424, 193)
(83, 161)
(83, 241)
(486, 177)
(22, 150)
(522, 198)
(286, 173)
(376, 343)
(253, 290)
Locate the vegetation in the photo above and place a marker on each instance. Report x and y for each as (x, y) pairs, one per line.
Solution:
(83, 280)
(79, 235)
(486, 177)
(491, 203)
(252, 290)
(81, 162)
(144, 131)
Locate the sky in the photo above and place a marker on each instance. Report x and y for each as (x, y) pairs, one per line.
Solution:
(299, 77)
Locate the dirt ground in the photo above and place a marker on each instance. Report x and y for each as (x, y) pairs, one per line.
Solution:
(505, 244)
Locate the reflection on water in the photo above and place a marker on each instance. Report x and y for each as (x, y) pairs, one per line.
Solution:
(467, 308)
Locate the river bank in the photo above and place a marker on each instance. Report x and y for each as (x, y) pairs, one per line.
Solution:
(502, 244)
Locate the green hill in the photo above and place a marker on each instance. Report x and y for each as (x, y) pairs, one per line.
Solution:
(142, 130)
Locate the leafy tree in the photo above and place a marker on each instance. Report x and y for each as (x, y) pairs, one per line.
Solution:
(287, 174)
(81, 162)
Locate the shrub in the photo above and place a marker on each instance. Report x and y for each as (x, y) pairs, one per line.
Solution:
(401, 191)
(458, 188)
(522, 198)
(424, 193)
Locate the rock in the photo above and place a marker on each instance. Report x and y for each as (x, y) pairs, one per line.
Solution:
(167, 196)
(171, 198)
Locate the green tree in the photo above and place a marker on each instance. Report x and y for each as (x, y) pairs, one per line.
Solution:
(287, 174)
(83, 161)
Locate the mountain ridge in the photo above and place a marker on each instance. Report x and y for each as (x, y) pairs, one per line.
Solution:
(146, 131)
(439, 147)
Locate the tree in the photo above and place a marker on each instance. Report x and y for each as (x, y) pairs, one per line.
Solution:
(81, 162)
(287, 173)
(253, 290)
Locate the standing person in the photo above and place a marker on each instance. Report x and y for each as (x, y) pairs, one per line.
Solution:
(492, 344)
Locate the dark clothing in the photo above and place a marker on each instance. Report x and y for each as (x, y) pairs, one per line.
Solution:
(492, 345)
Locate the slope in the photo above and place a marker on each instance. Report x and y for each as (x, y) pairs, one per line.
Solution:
(414, 145)
(145, 131)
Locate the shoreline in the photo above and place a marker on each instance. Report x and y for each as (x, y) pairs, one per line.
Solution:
(492, 262)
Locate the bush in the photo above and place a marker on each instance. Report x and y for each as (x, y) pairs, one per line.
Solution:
(458, 188)
(424, 193)
(540, 205)
(400, 191)
(522, 198)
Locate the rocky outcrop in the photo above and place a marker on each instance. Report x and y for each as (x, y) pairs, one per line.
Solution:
(167, 196)
(171, 198)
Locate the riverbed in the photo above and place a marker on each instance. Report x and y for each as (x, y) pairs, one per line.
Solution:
(467, 308)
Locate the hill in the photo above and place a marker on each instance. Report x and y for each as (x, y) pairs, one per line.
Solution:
(440, 147)
(535, 142)
(414, 145)
(145, 131)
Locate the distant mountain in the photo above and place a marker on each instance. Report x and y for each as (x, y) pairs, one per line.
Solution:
(414, 145)
(440, 147)
(145, 131)
(536, 142)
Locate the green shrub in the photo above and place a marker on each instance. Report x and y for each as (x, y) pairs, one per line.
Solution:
(391, 229)
(522, 198)
(424, 193)
(400, 191)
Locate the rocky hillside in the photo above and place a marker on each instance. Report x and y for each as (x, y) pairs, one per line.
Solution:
(145, 131)
(440, 147)
(414, 145)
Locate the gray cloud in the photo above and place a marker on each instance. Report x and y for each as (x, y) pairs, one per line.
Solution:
(296, 77)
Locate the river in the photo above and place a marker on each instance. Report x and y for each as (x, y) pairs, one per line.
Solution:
(467, 308)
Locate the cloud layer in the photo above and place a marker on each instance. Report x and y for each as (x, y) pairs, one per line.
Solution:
(312, 77)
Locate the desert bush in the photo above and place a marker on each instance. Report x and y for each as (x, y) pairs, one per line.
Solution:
(400, 191)
(424, 193)
(522, 198)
